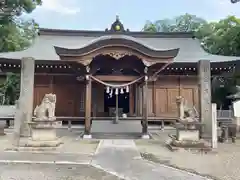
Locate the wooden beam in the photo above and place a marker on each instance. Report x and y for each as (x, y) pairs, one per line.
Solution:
(115, 78)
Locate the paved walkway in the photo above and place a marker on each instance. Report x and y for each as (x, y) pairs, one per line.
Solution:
(117, 157)
(121, 158)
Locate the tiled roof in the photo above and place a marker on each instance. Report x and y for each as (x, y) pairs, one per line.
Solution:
(43, 46)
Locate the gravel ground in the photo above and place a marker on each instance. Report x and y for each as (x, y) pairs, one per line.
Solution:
(222, 165)
(52, 172)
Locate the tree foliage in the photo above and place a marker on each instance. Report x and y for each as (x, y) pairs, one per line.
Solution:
(183, 23)
(17, 33)
(9, 89)
(222, 37)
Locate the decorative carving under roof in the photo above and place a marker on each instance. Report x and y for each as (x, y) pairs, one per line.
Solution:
(117, 26)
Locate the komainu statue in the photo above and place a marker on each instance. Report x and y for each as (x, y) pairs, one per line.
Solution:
(187, 114)
(46, 110)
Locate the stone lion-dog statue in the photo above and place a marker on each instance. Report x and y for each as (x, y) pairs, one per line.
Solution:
(46, 110)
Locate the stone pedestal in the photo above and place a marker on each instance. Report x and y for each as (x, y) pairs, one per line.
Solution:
(43, 134)
(145, 136)
(188, 135)
(87, 136)
(187, 139)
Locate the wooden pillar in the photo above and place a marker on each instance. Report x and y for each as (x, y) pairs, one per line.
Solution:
(131, 100)
(154, 98)
(115, 121)
(145, 110)
(204, 73)
(88, 102)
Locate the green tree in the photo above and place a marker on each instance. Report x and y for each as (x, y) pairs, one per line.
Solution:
(222, 37)
(16, 33)
(183, 23)
(9, 89)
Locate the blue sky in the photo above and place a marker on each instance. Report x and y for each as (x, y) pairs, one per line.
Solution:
(98, 15)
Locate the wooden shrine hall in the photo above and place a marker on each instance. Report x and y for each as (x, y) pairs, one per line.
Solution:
(118, 74)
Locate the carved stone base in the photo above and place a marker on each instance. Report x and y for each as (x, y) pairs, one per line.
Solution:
(187, 134)
(199, 145)
(41, 144)
(43, 134)
(87, 136)
(145, 136)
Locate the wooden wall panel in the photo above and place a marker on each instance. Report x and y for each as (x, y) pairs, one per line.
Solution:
(172, 93)
(69, 92)
(161, 101)
(166, 91)
(65, 99)
(98, 99)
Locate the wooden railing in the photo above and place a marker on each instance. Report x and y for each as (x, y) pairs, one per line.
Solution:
(70, 119)
(222, 116)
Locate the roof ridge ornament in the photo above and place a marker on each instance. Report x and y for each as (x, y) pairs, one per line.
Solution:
(117, 26)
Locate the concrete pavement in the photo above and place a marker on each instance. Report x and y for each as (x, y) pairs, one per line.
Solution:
(120, 157)
(116, 158)
(52, 172)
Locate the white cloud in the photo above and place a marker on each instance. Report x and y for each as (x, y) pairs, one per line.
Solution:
(60, 6)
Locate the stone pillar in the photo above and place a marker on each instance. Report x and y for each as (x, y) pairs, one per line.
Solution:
(180, 107)
(26, 95)
(236, 115)
(214, 126)
(204, 73)
(145, 134)
(88, 102)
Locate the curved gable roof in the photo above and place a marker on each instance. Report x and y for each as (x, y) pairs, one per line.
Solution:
(117, 40)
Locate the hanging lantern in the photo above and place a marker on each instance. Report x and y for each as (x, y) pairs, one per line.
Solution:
(111, 92)
(116, 91)
(127, 89)
(107, 90)
(121, 91)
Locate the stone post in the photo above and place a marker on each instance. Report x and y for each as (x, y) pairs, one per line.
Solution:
(214, 126)
(26, 94)
(204, 73)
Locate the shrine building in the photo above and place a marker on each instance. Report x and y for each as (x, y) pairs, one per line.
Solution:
(94, 72)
